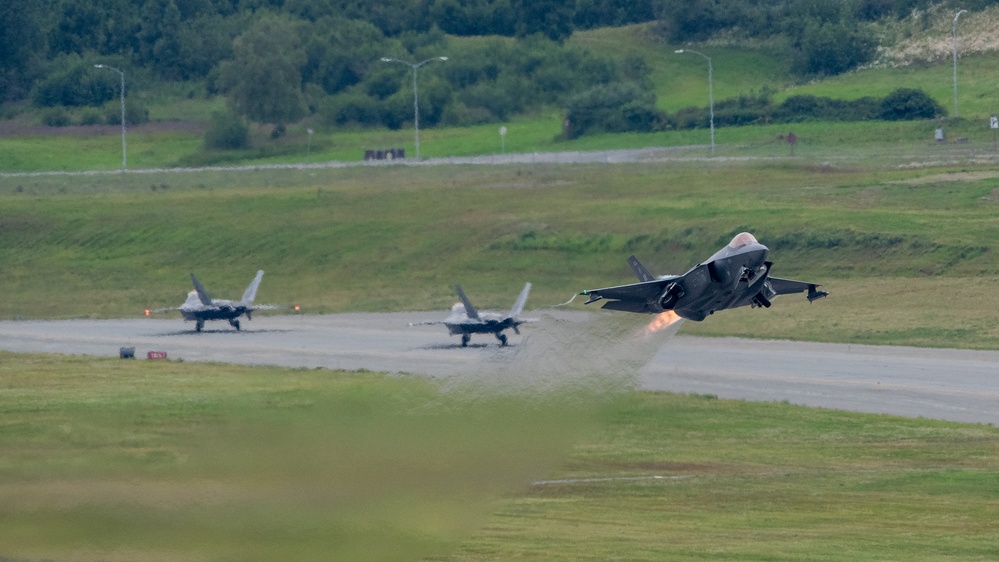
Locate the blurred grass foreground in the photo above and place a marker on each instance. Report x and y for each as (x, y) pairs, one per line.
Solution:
(104, 459)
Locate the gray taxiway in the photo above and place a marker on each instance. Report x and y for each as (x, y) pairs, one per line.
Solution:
(942, 384)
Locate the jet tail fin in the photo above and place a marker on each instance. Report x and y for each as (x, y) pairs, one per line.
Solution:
(641, 272)
(518, 306)
(251, 291)
(203, 295)
(469, 309)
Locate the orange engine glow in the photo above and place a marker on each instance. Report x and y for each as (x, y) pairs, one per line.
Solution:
(662, 321)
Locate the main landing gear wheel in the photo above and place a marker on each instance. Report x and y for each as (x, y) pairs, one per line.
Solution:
(198, 325)
(502, 339)
(234, 323)
(465, 338)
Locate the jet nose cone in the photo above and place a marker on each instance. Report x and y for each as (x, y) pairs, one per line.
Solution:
(757, 256)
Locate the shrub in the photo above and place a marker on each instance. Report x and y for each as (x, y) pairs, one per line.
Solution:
(907, 103)
(614, 108)
(228, 132)
(74, 82)
(135, 112)
(356, 108)
(91, 117)
(55, 117)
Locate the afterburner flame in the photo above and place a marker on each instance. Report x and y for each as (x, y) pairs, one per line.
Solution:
(662, 321)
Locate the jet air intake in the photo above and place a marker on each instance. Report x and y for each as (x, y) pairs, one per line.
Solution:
(670, 296)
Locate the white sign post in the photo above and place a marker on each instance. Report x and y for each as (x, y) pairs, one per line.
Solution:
(503, 139)
(994, 124)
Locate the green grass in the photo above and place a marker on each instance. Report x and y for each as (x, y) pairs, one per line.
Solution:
(144, 460)
(906, 253)
(745, 481)
(138, 460)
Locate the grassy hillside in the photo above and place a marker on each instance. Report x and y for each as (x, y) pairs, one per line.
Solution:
(916, 57)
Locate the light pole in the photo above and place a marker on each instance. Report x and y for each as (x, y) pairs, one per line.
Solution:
(416, 98)
(122, 111)
(957, 15)
(711, 98)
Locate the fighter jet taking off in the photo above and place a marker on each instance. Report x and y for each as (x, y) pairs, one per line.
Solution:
(466, 320)
(200, 306)
(737, 275)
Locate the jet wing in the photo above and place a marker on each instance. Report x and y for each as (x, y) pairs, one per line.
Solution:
(789, 287)
(646, 291)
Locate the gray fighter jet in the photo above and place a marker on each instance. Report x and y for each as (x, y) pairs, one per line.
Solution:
(200, 306)
(466, 320)
(737, 275)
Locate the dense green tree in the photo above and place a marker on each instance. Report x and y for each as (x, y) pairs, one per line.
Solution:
(340, 57)
(474, 17)
(551, 18)
(832, 48)
(263, 80)
(106, 27)
(591, 14)
(22, 44)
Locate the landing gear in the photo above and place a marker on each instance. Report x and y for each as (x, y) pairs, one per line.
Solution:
(502, 338)
(199, 325)
(234, 323)
(465, 338)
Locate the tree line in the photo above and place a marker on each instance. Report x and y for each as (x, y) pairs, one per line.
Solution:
(279, 60)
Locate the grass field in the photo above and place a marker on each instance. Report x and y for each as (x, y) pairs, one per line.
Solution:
(907, 253)
(102, 459)
(113, 460)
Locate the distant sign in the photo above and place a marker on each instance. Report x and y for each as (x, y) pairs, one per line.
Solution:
(791, 138)
(156, 355)
(994, 122)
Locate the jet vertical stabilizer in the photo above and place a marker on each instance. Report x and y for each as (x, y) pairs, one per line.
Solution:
(203, 295)
(518, 306)
(469, 309)
(640, 270)
(251, 291)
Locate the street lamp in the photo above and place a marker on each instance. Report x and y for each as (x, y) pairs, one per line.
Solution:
(416, 98)
(122, 110)
(957, 15)
(711, 99)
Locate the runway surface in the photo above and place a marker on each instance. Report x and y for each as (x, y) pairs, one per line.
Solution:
(933, 383)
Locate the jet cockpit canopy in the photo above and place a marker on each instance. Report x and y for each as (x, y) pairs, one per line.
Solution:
(742, 239)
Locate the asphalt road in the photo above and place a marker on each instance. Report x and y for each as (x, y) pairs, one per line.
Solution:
(933, 383)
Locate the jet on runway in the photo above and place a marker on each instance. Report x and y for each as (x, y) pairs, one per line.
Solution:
(200, 306)
(466, 320)
(737, 275)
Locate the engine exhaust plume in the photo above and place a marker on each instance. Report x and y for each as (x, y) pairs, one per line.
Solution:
(662, 321)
